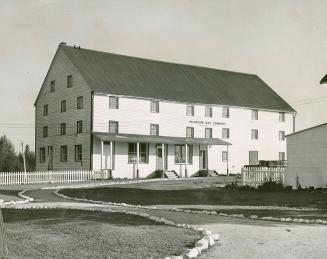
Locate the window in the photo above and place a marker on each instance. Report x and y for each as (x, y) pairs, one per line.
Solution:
(52, 86)
(113, 127)
(63, 129)
(254, 134)
(189, 132)
(225, 133)
(281, 135)
(155, 106)
(225, 112)
(42, 154)
(78, 153)
(224, 156)
(63, 153)
(113, 102)
(281, 156)
(69, 81)
(79, 127)
(45, 131)
(63, 106)
(255, 115)
(154, 129)
(180, 154)
(189, 110)
(45, 110)
(132, 153)
(208, 133)
(208, 111)
(80, 102)
(282, 116)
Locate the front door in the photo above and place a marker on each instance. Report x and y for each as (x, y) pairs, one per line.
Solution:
(203, 159)
(253, 158)
(159, 157)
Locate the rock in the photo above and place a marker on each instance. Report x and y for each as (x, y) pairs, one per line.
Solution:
(307, 221)
(202, 244)
(254, 217)
(223, 214)
(210, 239)
(213, 213)
(192, 253)
(215, 237)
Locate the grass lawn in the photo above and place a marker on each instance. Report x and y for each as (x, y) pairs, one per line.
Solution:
(9, 195)
(202, 196)
(61, 233)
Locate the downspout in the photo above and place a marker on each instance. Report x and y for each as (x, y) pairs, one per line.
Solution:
(91, 129)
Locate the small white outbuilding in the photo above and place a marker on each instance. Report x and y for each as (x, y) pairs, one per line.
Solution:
(307, 158)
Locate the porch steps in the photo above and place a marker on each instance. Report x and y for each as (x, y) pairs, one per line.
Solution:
(171, 174)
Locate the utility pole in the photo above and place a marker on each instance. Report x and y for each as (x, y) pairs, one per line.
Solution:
(23, 153)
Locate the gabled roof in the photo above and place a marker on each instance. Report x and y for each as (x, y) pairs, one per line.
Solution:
(323, 80)
(307, 129)
(124, 75)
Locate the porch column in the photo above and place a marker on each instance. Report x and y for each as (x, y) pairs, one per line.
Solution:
(101, 154)
(163, 160)
(186, 158)
(137, 159)
(111, 157)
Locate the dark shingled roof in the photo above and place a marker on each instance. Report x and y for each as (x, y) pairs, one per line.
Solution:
(124, 75)
(323, 80)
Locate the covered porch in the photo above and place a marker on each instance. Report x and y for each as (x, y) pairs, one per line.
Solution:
(136, 156)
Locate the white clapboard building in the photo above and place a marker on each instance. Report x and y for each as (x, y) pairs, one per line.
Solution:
(103, 111)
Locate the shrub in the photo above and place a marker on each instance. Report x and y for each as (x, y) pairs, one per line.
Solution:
(271, 186)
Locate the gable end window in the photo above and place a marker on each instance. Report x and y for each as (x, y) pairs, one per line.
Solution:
(45, 131)
(52, 86)
(69, 81)
(63, 106)
(154, 107)
(79, 127)
(80, 102)
(45, 110)
(113, 102)
(282, 116)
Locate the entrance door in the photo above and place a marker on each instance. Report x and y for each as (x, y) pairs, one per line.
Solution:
(106, 156)
(203, 159)
(253, 158)
(159, 157)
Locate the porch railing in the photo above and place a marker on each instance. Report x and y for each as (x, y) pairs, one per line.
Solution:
(255, 176)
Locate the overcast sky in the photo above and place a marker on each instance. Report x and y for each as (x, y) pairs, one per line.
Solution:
(284, 42)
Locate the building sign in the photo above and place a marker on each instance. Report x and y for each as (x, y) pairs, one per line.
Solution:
(207, 123)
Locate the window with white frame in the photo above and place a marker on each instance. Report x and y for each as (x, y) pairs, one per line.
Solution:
(63, 129)
(78, 153)
(189, 132)
(254, 134)
(42, 154)
(80, 102)
(69, 81)
(208, 132)
(189, 110)
(154, 129)
(143, 153)
(255, 115)
(113, 127)
(45, 110)
(63, 153)
(63, 106)
(180, 154)
(281, 135)
(45, 131)
(52, 86)
(226, 112)
(79, 126)
(208, 111)
(113, 102)
(225, 133)
(224, 156)
(282, 116)
(154, 107)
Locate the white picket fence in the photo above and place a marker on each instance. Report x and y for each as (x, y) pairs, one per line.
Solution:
(255, 176)
(16, 178)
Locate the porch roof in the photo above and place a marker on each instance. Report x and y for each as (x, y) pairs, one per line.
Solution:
(157, 139)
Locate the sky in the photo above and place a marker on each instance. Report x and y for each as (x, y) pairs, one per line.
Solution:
(282, 41)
